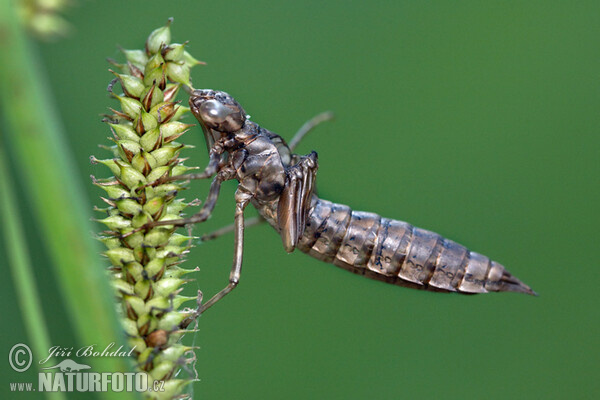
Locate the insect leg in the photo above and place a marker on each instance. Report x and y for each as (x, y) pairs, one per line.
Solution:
(229, 228)
(242, 198)
(308, 126)
(295, 200)
(205, 211)
(212, 167)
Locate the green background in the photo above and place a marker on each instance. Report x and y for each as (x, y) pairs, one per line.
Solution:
(478, 120)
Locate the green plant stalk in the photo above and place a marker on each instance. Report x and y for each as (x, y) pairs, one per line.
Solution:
(47, 173)
(20, 266)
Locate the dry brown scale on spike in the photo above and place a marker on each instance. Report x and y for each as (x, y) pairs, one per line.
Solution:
(145, 263)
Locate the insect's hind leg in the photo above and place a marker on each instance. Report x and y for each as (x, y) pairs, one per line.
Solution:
(309, 126)
(242, 198)
(230, 228)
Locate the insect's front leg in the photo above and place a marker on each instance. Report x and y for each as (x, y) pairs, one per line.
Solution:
(214, 165)
(242, 198)
(207, 207)
(230, 228)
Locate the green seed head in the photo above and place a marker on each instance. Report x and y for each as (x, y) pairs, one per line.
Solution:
(145, 260)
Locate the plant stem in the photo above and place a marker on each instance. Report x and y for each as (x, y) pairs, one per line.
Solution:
(47, 172)
(20, 266)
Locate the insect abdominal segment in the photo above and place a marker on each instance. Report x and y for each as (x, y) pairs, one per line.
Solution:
(279, 184)
(399, 253)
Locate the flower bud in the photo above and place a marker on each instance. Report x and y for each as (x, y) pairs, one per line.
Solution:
(156, 61)
(131, 177)
(179, 300)
(110, 242)
(173, 52)
(124, 132)
(122, 287)
(129, 206)
(178, 72)
(134, 240)
(130, 107)
(158, 173)
(119, 256)
(172, 353)
(171, 320)
(158, 38)
(140, 162)
(130, 327)
(136, 57)
(144, 359)
(160, 303)
(156, 76)
(165, 154)
(116, 222)
(134, 306)
(170, 251)
(155, 267)
(143, 289)
(148, 120)
(132, 86)
(167, 286)
(151, 140)
(151, 97)
(114, 167)
(133, 272)
(176, 272)
(140, 220)
(115, 191)
(174, 386)
(138, 344)
(146, 324)
(162, 370)
(178, 239)
(191, 61)
(128, 149)
(166, 189)
(172, 130)
(154, 205)
(177, 206)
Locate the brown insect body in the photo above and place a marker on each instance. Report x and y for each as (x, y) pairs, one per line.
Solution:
(385, 249)
(280, 186)
(395, 251)
(399, 253)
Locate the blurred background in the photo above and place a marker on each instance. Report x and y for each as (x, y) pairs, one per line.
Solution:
(477, 120)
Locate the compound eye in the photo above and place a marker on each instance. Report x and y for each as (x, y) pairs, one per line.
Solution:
(215, 112)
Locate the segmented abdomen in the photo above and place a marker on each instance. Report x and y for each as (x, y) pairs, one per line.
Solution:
(399, 253)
